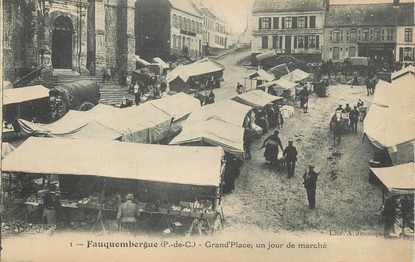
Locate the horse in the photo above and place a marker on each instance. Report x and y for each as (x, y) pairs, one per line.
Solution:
(336, 126)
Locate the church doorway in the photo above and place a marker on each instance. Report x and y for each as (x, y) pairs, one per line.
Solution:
(62, 43)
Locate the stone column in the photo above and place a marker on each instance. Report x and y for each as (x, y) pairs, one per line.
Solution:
(46, 42)
(100, 45)
(31, 40)
(130, 35)
(84, 39)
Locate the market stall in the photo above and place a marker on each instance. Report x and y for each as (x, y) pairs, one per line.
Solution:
(94, 175)
(279, 71)
(227, 111)
(257, 78)
(280, 87)
(198, 75)
(398, 181)
(30, 103)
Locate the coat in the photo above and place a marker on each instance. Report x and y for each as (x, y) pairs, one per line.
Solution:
(128, 212)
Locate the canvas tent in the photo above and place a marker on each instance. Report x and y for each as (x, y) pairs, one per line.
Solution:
(178, 105)
(6, 149)
(409, 70)
(256, 98)
(389, 123)
(227, 111)
(399, 180)
(202, 67)
(139, 124)
(24, 94)
(359, 61)
(213, 132)
(181, 165)
(296, 76)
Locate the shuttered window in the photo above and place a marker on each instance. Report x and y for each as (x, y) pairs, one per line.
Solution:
(275, 23)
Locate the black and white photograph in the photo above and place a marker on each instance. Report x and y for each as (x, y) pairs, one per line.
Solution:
(207, 130)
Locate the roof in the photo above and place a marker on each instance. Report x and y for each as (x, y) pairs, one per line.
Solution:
(185, 6)
(403, 72)
(361, 15)
(279, 70)
(398, 179)
(256, 98)
(178, 105)
(24, 94)
(281, 83)
(261, 75)
(201, 67)
(226, 110)
(213, 132)
(181, 165)
(296, 75)
(272, 6)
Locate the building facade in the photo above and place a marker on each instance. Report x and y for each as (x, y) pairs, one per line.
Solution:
(292, 28)
(221, 36)
(167, 27)
(381, 32)
(70, 35)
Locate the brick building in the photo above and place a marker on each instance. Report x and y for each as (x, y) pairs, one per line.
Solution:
(382, 32)
(69, 35)
(166, 27)
(293, 28)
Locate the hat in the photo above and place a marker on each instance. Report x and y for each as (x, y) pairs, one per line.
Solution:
(311, 166)
(340, 105)
(290, 141)
(129, 197)
(347, 104)
(276, 132)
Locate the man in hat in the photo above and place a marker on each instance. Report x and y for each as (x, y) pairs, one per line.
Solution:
(340, 109)
(127, 215)
(310, 183)
(290, 154)
(354, 118)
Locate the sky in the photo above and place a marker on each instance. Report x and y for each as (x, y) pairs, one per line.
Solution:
(235, 12)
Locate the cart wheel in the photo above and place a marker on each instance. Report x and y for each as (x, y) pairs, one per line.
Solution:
(86, 106)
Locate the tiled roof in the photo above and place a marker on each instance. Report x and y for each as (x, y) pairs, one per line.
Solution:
(272, 6)
(370, 14)
(185, 6)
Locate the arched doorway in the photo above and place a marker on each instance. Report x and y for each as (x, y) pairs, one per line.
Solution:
(62, 43)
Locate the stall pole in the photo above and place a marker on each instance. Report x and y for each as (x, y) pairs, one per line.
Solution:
(100, 216)
(10, 190)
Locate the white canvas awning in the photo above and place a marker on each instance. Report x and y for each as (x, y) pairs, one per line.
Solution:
(281, 84)
(170, 164)
(201, 67)
(227, 111)
(399, 180)
(178, 105)
(296, 75)
(256, 98)
(409, 70)
(213, 132)
(24, 94)
(261, 75)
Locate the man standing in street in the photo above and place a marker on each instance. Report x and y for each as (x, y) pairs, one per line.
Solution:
(354, 118)
(310, 183)
(137, 95)
(290, 154)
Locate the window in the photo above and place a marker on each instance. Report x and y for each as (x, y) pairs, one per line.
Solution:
(180, 22)
(312, 40)
(336, 53)
(317, 42)
(274, 41)
(365, 34)
(180, 42)
(175, 20)
(407, 54)
(352, 35)
(174, 41)
(265, 23)
(306, 42)
(288, 22)
(389, 35)
(360, 35)
(341, 35)
(336, 35)
(193, 26)
(280, 41)
(376, 34)
(265, 42)
(294, 22)
(276, 21)
(352, 51)
(301, 22)
(347, 35)
(300, 41)
(371, 34)
(383, 34)
(312, 21)
(408, 34)
(331, 36)
(295, 42)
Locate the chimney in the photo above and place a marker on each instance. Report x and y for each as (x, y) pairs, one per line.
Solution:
(395, 3)
(327, 5)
